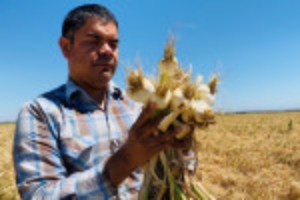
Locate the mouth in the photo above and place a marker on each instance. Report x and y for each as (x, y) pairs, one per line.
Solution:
(104, 67)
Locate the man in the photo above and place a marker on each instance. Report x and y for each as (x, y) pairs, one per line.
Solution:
(86, 139)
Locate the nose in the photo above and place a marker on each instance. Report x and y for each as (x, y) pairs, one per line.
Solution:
(105, 48)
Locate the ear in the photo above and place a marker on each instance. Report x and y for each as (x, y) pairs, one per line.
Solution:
(65, 46)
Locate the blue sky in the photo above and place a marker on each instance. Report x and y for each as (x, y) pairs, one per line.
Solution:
(253, 44)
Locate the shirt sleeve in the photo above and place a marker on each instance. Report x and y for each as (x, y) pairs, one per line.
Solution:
(40, 169)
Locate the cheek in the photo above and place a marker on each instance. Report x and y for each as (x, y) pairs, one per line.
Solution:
(116, 56)
(82, 53)
(79, 65)
(85, 60)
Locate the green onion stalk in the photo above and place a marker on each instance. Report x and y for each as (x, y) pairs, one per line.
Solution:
(188, 104)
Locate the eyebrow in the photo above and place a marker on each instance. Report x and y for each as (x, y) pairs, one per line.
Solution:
(98, 37)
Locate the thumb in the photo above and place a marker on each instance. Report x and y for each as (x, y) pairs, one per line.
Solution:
(146, 114)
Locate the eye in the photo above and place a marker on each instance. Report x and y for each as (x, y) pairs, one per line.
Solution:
(114, 44)
(92, 42)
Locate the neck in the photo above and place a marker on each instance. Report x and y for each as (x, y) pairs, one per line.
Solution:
(99, 94)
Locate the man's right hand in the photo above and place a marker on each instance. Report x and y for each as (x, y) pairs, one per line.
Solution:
(142, 144)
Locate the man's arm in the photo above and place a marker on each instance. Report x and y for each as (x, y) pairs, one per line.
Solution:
(40, 169)
(41, 172)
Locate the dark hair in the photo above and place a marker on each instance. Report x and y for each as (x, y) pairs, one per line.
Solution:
(76, 18)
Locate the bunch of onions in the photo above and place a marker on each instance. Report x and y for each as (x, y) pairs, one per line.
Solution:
(188, 104)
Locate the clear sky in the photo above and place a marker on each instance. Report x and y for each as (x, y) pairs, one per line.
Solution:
(253, 44)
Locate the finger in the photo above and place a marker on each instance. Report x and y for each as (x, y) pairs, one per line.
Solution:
(151, 112)
(158, 146)
(161, 142)
(174, 130)
(145, 114)
(161, 138)
(149, 128)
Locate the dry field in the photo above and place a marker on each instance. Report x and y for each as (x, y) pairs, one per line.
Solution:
(252, 156)
(244, 156)
(7, 176)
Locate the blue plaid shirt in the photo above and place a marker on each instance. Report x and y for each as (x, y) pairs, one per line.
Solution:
(62, 141)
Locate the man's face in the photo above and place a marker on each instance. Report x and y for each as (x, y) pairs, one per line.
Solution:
(93, 54)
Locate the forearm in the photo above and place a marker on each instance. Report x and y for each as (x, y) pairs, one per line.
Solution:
(119, 167)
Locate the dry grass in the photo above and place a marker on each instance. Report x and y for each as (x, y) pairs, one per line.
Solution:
(7, 175)
(252, 156)
(243, 156)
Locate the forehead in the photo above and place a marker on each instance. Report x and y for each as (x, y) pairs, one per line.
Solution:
(98, 26)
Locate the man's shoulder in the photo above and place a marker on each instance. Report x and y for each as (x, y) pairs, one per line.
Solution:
(56, 94)
(48, 101)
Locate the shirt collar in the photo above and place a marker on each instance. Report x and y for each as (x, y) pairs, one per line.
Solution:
(81, 100)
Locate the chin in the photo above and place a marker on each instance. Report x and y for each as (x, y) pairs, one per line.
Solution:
(103, 81)
(106, 76)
